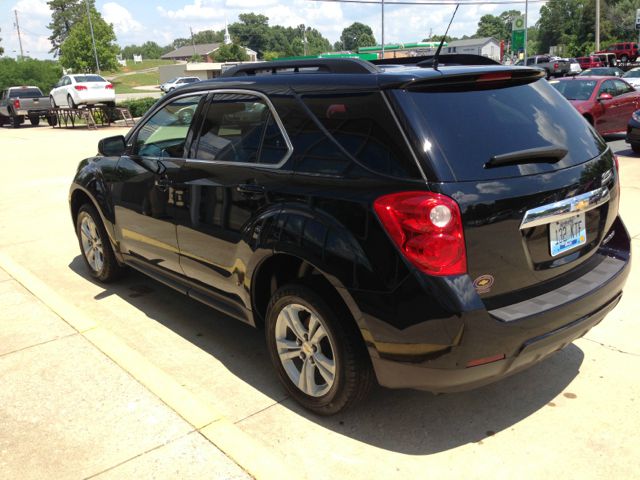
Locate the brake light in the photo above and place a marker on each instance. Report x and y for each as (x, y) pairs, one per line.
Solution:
(427, 227)
(494, 76)
(80, 87)
(555, 66)
(16, 103)
(108, 86)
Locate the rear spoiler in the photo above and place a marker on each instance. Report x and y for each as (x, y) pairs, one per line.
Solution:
(426, 61)
(485, 78)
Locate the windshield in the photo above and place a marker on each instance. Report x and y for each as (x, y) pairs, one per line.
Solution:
(25, 93)
(465, 129)
(632, 74)
(88, 78)
(575, 89)
(601, 72)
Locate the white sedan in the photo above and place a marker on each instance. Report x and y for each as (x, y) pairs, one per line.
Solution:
(82, 89)
(633, 77)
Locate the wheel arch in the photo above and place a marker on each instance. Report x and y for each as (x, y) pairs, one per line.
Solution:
(281, 268)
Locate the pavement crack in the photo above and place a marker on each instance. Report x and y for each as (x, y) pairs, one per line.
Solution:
(612, 348)
(38, 344)
(277, 402)
(168, 442)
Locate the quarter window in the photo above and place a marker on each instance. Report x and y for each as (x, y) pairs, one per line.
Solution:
(241, 128)
(165, 133)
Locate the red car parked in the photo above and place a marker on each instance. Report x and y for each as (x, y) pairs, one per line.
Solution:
(589, 62)
(625, 51)
(607, 103)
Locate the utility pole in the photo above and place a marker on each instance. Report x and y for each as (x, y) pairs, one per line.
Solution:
(304, 39)
(597, 25)
(193, 42)
(382, 3)
(19, 36)
(93, 38)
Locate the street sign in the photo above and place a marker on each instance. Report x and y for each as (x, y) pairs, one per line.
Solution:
(517, 40)
(638, 19)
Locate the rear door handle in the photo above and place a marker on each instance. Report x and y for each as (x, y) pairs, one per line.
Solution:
(251, 190)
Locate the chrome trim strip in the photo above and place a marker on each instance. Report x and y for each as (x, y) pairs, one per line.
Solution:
(554, 212)
(276, 117)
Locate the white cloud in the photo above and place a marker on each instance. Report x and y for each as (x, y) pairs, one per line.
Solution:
(33, 16)
(198, 10)
(122, 20)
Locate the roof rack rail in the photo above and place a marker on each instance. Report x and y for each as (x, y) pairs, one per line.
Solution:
(321, 65)
(444, 59)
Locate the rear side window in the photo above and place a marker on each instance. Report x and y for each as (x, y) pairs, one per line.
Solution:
(89, 78)
(465, 129)
(241, 129)
(364, 126)
(25, 93)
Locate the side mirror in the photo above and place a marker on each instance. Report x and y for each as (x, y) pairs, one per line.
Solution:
(112, 146)
(605, 96)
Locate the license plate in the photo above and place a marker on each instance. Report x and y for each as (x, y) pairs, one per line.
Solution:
(567, 234)
(95, 87)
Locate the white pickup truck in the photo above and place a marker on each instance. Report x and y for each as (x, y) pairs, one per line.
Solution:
(16, 103)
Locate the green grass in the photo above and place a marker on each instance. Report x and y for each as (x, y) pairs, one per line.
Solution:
(134, 67)
(126, 83)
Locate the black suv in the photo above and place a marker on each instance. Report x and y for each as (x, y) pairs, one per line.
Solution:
(431, 228)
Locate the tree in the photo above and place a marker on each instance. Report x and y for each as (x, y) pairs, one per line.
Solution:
(230, 53)
(253, 31)
(357, 35)
(491, 26)
(147, 50)
(64, 15)
(28, 71)
(76, 52)
(1, 49)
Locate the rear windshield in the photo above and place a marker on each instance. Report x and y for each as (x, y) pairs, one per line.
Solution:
(89, 78)
(632, 74)
(575, 89)
(25, 93)
(465, 129)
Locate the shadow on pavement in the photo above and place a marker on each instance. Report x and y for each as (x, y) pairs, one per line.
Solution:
(404, 421)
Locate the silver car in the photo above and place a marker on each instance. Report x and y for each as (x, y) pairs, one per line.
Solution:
(177, 82)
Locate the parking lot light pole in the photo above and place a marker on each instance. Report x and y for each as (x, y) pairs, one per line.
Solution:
(93, 38)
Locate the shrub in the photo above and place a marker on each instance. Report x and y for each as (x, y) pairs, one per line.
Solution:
(41, 73)
(139, 106)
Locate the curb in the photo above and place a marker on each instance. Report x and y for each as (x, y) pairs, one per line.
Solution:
(249, 454)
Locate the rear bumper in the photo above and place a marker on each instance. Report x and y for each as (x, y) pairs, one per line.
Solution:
(95, 96)
(524, 334)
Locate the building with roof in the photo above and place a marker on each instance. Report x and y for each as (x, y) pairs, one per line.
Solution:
(487, 47)
(205, 51)
(398, 50)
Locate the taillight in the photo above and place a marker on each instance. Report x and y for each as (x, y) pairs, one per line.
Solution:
(555, 66)
(16, 103)
(80, 87)
(427, 227)
(108, 86)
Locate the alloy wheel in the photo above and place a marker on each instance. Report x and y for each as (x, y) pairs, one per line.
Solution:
(92, 247)
(305, 349)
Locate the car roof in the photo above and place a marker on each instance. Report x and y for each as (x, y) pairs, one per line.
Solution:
(392, 76)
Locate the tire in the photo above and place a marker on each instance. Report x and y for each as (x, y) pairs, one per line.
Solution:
(293, 312)
(34, 120)
(624, 59)
(110, 104)
(3, 120)
(52, 102)
(547, 74)
(52, 120)
(95, 246)
(16, 120)
(71, 103)
(635, 147)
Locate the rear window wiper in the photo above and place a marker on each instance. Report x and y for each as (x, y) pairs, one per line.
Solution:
(531, 155)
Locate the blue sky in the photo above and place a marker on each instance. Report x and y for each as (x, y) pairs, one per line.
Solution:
(162, 21)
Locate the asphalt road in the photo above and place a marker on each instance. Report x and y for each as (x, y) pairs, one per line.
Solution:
(573, 416)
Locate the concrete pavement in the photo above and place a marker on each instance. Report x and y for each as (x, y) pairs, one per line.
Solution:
(574, 415)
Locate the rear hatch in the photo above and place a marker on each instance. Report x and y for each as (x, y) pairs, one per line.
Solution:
(536, 185)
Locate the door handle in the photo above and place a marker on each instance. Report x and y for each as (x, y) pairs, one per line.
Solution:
(163, 183)
(251, 190)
